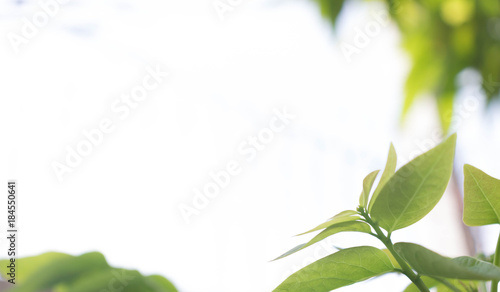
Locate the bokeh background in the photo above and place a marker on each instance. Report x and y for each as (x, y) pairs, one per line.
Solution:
(355, 78)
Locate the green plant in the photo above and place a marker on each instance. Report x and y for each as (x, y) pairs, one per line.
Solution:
(401, 199)
(60, 272)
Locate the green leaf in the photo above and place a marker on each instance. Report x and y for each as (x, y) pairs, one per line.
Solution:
(88, 272)
(340, 227)
(390, 168)
(161, 283)
(427, 262)
(31, 265)
(121, 280)
(344, 216)
(481, 197)
(62, 270)
(345, 213)
(415, 188)
(340, 269)
(391, 258)
(367, 187)
(330, 9)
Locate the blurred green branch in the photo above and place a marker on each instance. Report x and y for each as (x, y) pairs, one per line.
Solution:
(442, 38)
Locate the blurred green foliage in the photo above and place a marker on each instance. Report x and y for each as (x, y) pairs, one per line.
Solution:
(442, 37)
(89, 272)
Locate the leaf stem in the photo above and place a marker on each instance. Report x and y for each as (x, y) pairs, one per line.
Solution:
(496, 262)
(386, 240)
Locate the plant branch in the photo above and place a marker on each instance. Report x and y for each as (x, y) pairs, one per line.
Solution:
(496, 262)
(390, 246)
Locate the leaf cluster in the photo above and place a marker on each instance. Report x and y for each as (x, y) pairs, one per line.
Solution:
(401, 199)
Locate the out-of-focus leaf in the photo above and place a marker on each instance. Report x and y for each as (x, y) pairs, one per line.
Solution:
(340, 269)
(330, 9)
(88, 272)
(161, 284)
(457, 12)
(31, 265)
(62, 270)
(442, 39)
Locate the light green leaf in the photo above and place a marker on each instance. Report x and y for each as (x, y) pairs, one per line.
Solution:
(367, 187)
(88, 272)
(427, 262)
(345, 213)
(415, 188)
(31, 265)
(122, 280)
(391, 258)
(344, 216)
(340, 227)
(61, 270)
(481, 198)
(390, 168)
(340, 269)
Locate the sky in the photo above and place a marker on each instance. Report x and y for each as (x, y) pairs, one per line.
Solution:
(116, 114)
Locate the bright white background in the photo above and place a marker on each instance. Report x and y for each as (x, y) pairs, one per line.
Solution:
(226, 77)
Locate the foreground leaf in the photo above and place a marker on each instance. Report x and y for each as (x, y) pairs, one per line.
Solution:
(161, 283)
(367, 187)
(120, 280)
(340, 269)
(88, 272)
(390, 168)
(415, 188)
(62, 270)
(427, 262)
(481, 197)
(340, 227)
(31, 265)
(344, 216)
